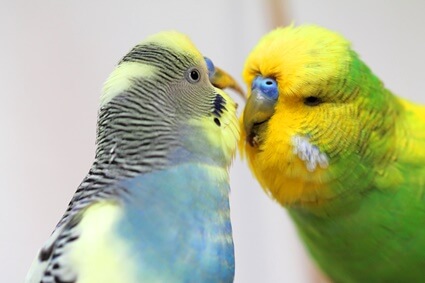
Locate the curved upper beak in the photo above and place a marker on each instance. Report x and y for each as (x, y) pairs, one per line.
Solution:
(222, 80)
(259, 107)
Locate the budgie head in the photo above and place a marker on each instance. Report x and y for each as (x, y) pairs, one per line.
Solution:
(160, 107)
(315, 121)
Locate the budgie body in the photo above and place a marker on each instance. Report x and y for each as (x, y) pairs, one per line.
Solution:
(154, 206)
(341, 152)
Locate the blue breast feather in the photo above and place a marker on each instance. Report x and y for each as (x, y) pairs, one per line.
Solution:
(178, 222)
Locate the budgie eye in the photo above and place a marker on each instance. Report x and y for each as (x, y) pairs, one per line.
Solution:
(312, 101)
(210, 66)
(193, 75)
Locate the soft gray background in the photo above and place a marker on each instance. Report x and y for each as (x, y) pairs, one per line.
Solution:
(55, 56)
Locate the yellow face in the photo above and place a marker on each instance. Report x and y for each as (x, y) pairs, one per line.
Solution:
(314, 124)
(222, 134)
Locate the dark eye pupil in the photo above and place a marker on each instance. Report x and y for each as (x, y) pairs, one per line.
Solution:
(312, 101)
(194, 75)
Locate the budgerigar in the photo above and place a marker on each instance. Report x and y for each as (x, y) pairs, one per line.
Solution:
(154, 206)
(343, 154)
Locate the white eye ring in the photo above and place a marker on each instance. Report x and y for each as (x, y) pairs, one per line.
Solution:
(193, 75)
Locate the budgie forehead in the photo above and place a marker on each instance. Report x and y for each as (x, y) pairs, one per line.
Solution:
(299, 58)
(178, 42)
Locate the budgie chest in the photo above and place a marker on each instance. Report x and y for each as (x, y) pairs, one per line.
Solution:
(380, 240)
(170, 225)
(177, 224)
(376, 235)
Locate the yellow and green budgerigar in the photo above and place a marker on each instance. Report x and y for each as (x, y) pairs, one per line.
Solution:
(154, 206)
(346, 157)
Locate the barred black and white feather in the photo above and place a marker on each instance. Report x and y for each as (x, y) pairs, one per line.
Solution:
(141, 128)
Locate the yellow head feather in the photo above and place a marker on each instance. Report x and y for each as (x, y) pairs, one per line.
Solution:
(310, 61)
(293, 54)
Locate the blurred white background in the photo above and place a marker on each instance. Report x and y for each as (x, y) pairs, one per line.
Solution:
(55, 56)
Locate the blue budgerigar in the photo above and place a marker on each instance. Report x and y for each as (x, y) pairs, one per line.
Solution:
(154, 206)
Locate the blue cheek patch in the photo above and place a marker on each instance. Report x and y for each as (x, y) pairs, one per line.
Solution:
(267, 86)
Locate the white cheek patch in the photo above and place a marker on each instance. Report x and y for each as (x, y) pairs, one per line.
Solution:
(309, 153)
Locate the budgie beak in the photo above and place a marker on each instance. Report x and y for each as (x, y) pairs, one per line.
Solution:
(221, 79)
(259, 107)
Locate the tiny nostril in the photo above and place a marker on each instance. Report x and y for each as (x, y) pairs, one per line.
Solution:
(267, 86)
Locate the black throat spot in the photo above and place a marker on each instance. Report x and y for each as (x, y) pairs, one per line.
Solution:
(219, 105)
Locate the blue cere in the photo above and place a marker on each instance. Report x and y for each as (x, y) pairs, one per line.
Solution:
(267, 86)
(210, 66)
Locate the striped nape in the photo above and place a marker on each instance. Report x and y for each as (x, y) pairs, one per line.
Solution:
(135, 134)
(136, 126)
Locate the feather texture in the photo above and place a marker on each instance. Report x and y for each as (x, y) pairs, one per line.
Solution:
(360, 214)
(154, 206)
